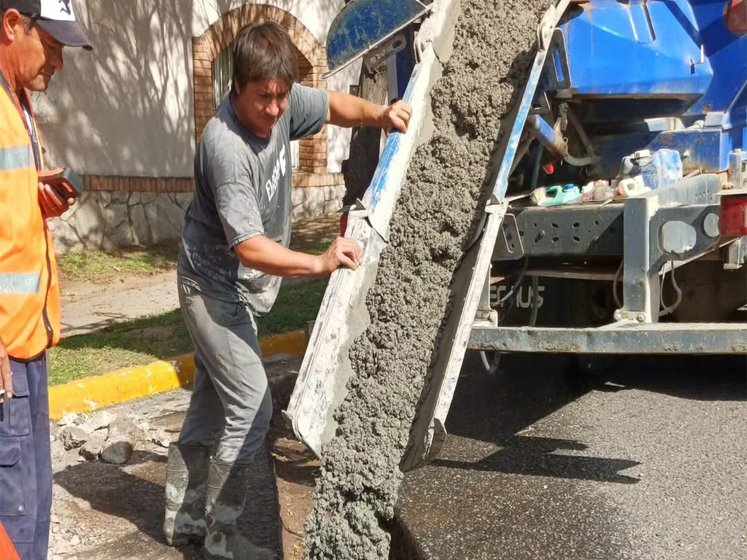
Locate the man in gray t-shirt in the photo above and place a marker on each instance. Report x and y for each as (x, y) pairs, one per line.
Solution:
(234, 253)
(243, 190)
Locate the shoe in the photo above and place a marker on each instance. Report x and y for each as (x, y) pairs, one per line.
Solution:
(186, 483)
(225, 499)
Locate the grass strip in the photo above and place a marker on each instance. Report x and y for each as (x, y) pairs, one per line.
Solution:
(142, 341)
(103, 266)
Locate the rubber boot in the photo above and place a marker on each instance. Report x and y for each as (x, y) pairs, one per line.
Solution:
(186, 482)
(226, 495)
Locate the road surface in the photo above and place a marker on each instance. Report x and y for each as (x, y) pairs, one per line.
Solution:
(648, 461)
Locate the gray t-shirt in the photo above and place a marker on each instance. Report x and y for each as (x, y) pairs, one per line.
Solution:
(243, 189)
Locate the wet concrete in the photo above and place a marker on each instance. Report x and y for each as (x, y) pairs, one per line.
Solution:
(646, 462)
(447, 180)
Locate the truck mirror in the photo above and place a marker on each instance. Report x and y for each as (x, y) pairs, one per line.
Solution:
(736, 17)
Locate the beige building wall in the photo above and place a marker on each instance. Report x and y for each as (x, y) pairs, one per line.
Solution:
(125, 116)
(127, 108)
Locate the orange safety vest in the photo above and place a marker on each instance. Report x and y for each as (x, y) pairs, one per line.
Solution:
(7, 550)
(29, 295)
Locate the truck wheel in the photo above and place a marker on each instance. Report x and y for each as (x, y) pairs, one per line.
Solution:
(590, 304)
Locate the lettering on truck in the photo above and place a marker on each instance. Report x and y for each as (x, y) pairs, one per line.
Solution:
(523, 295)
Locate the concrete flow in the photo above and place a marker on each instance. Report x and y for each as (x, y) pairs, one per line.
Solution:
(448, 178)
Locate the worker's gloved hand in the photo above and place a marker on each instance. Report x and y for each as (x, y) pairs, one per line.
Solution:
(6, 376)
(52, 205)
(395, 116)
(343, 252)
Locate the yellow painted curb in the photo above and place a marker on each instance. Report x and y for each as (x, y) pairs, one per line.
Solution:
(98, 391)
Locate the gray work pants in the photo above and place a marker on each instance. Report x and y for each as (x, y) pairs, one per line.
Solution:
(231, 407)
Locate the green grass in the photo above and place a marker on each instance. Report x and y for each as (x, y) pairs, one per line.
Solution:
(163, 336)
(102, 266)
(297, 304)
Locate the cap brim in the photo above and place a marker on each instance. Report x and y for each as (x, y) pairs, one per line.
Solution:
(69, 33)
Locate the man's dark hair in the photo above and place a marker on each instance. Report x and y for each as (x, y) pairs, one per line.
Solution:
(263, 51)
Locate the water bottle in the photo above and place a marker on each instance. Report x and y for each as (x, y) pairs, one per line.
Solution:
(658, 169)
(597, 191)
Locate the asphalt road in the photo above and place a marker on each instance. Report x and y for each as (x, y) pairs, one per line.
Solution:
(647, 461)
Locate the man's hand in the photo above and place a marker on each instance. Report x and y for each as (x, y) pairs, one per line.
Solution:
(51, 203)
(6, 376)
(396, 116)
(344, 253)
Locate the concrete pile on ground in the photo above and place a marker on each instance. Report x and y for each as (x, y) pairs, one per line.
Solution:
(447, 184)
(101, 435)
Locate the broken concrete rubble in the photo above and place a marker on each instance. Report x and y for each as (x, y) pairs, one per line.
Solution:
(117, 453)
(95, 445)
(102, 435)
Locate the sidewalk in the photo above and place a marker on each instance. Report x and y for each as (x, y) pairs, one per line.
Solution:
(89, 307)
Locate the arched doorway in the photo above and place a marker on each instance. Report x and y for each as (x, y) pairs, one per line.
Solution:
(209, 52)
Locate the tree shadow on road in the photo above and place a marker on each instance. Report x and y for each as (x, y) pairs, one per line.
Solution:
(135, 493)
(499, 408)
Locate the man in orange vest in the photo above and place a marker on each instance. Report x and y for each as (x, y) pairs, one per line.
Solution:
(32, 36)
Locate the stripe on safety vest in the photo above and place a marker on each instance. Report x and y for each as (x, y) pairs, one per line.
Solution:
(16, 157)
(19, 282)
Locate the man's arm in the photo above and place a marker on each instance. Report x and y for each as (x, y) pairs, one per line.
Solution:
(348, 110)
(264, 254)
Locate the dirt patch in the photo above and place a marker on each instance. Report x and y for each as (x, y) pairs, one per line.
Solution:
(114, 512)
(447, 180)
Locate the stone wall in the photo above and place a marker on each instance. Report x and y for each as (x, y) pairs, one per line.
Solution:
(107, 220)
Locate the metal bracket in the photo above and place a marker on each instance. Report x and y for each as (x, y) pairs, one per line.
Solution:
(737, 171)
(375, 58)
(547, 24)
(736, 254)
(509, 246)
(644, 251)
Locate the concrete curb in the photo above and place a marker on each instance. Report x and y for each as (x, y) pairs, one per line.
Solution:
(91, 393)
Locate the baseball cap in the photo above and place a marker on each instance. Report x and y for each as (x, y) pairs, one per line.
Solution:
(56, 17)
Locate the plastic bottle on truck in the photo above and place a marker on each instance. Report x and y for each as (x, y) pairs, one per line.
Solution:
(557, 195)
(597, 191)
(656, 169)
(630, 186)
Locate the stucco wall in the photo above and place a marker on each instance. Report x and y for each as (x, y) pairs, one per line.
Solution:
(126, 109)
